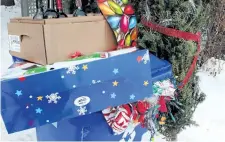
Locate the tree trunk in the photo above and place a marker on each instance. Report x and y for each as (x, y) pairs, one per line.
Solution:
(8, 2)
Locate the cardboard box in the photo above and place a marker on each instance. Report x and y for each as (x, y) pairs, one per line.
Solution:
(52, 40)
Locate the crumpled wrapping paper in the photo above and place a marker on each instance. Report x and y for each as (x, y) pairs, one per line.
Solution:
(119, 118)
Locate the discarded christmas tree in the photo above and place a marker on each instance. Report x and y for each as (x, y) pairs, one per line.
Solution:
(184, 15)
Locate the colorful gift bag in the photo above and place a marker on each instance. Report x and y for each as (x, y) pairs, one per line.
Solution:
(48, 97)
(121, 17)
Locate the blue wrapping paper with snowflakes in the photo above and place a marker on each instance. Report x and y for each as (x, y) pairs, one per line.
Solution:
(83, 89)
(94, 127)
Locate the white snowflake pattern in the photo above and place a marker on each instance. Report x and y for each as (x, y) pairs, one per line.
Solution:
(96, 81)
(72, 69)
(54, 97)
(146, 58)
(82, 110)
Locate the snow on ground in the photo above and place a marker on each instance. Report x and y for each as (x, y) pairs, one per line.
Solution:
(6, 61)
(6, 14)
(210, 115)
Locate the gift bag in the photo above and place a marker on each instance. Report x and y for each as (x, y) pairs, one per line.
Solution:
(82, 89)
(110, 124)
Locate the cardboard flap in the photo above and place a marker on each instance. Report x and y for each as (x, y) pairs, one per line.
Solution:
(78, 90)
(22, 29)
(81, 19)
(70, 19)
(27, 20)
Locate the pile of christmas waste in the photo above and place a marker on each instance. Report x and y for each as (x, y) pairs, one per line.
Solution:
(121, 118)
(127, 89)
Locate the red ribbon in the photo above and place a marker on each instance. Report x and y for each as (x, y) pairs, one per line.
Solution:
(162, 103)
(179, 34)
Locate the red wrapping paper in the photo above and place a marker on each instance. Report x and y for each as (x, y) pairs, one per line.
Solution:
(120, 117)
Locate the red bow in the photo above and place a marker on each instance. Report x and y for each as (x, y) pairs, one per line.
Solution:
(75, 55)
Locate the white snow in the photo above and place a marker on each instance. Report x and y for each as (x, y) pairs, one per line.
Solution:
(210, 115)
(6, 14)
(6, 61)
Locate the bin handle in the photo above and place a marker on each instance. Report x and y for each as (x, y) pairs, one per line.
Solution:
(23, 36)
